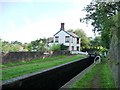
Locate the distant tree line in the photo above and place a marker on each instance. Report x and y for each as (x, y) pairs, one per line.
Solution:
(15, 46)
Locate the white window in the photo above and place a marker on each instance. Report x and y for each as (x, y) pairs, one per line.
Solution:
(67, 39)
(72, 47)
(56, 39)
(71, 40)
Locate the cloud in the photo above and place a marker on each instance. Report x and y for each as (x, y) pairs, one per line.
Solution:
(47, 26)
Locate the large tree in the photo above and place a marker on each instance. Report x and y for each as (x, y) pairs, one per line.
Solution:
(105, 18)
(84, 39)
(37, 45)
(101, 16)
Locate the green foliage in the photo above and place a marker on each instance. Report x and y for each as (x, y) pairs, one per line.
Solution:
(15, 46)
(16, 42)
(96, 45)
(37, 45)
(84, 39)
(55, 47)
(10, 47)
(58, 47)
(96, 41)
(63, 47)
(101, 16)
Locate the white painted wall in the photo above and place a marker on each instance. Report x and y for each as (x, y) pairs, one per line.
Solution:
(61, 40)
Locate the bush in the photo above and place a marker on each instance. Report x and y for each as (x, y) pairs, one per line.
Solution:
(63, 47)
(55, 47)
(58, 47)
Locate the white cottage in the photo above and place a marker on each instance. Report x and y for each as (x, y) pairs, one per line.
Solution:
(69, 39)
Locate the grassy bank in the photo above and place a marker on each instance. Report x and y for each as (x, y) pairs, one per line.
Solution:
(100, 76)
(35, 65)
(12, 64)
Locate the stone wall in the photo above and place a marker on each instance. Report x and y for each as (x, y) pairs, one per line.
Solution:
(114, 57)
(27, 56)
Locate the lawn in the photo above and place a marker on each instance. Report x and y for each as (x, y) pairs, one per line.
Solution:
(99, 77)
(12, 70)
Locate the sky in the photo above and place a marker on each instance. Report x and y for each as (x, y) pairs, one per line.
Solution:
(28, 20)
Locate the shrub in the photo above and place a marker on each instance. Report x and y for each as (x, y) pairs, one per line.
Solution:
(55, 47)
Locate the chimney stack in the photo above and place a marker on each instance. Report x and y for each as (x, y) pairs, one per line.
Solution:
(62, 26)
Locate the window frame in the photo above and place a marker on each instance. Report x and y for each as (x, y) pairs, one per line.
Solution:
(78, 48)
(56, 39)
(67, 39)
(78, 41)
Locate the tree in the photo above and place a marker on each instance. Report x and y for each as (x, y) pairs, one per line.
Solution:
(55, 47)
(37, 45)
(63, 47)
(96, 41)
(16, 42)
(11, 47)
(58, 47)
(105, 18)
(100, 15)
(84, 39)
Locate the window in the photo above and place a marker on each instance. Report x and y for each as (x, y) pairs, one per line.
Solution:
(56, 39)
(72, 47)
(67, 39)
(77, 48)
(71, 40)
(77, 40)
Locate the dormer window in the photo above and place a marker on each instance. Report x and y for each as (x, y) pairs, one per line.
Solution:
(67, 39)
(56, 39)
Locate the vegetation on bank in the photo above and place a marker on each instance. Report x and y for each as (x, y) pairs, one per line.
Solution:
(12, 64)
(100, 76)
(35, 66)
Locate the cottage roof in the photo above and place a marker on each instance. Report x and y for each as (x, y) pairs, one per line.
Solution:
(70, 33)
(73, 34)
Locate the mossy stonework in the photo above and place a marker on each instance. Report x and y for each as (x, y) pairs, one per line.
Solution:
(114, 56)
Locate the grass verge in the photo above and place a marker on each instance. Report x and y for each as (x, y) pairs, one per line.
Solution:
(103, 71)
(12, 64)
(37, 65)
(106, 80)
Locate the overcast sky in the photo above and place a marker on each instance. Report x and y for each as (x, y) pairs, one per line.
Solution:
(28, 20)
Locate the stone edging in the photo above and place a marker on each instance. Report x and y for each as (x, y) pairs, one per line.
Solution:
(77, 77)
